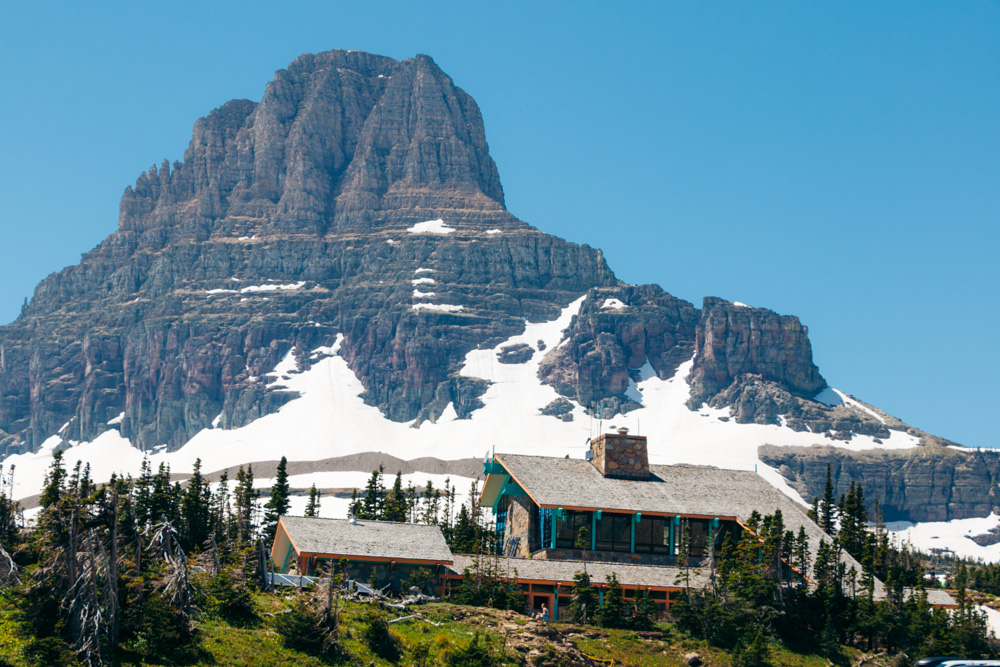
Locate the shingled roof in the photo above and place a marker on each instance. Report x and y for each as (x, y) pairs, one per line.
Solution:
(562, 571)
(675, 489)
(371, 539)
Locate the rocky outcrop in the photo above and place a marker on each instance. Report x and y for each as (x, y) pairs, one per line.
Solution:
(929, 483)
(616, 333)
(735, 341)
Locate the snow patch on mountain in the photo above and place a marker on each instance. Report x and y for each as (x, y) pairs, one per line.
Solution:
(430, 227)
(954, 535)
(442, 307)
(834, 397)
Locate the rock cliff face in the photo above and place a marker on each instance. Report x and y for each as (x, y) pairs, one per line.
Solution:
(285, 225)
(358, 199)
(931, 483)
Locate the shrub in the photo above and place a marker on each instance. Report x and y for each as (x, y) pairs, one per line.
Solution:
(376, 635)
(48, 652)
(229, 598)
(299, 630)
(474, 654)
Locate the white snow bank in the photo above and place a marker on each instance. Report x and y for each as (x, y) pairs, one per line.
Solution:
(952, 535)
(741, 304)
(492, 231)
(829, 396)
(117, 420)
(422, 281)
(430, 227)
(613, 303)
(443, 307)
(220, 291)
(423, 270)
(272, 288)
(417, 293)
(834, 397)
(992, 619)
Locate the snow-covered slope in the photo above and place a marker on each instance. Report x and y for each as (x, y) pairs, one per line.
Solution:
(329, 419)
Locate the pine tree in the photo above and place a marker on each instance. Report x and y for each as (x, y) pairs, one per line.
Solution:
(584, 598)
(611, 614)
(373, 502)
(312, 507)
(395, 501)
(278, 503)
(245, 501)
(195, 507)
(826, 506)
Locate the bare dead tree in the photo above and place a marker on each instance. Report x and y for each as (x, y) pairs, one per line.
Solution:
(89, 607)
(10, 573)
(177, 583)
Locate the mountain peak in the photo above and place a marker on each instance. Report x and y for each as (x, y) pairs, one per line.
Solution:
(340, 141)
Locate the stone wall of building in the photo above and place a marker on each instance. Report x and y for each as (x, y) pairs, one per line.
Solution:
(522, 524)
(620, 455)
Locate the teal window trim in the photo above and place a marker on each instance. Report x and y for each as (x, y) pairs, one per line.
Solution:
(631, 527)
(284, 566)
(593, 530)
(552, 531)
(555, 604)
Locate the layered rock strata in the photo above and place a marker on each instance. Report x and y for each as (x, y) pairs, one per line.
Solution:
(930, 483)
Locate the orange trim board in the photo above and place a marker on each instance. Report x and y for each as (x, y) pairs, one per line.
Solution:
(372, 559)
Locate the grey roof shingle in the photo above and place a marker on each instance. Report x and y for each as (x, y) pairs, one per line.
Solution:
(377, 539)
(681, 489)
(562, 571)
(673, 489)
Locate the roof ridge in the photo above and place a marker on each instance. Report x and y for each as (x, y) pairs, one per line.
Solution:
(358, 521)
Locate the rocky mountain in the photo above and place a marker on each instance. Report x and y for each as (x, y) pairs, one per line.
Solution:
(356, 208)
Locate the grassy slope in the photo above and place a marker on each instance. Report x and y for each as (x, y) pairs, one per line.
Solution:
(522, 641)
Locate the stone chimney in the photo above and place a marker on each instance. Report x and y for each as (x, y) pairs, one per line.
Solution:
(620, 455)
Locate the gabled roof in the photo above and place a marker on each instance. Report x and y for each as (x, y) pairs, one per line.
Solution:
(387, 540)
(678, 489)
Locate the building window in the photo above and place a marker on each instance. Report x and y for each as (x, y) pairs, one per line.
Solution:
(699, 538)
(614, 532)
(569, 527)
(652, 536)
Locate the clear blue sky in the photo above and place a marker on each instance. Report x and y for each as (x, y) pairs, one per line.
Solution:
(836, 161)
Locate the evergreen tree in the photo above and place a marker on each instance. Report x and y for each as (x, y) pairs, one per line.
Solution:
(584, 599)
(312, 507)
(373, 502)
(395, 501)
(826, 506)
(465, 536)
(611, 613)
(196, 508)
(277, 505)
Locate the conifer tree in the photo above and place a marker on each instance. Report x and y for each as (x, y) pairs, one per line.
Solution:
(826, 506)
(373, 502)
(395, 501)
(277, 505)
(312, 507)
(195, 506)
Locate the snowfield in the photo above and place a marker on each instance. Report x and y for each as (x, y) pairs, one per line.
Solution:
(952, 535)
(430, 227)
(329, 419)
